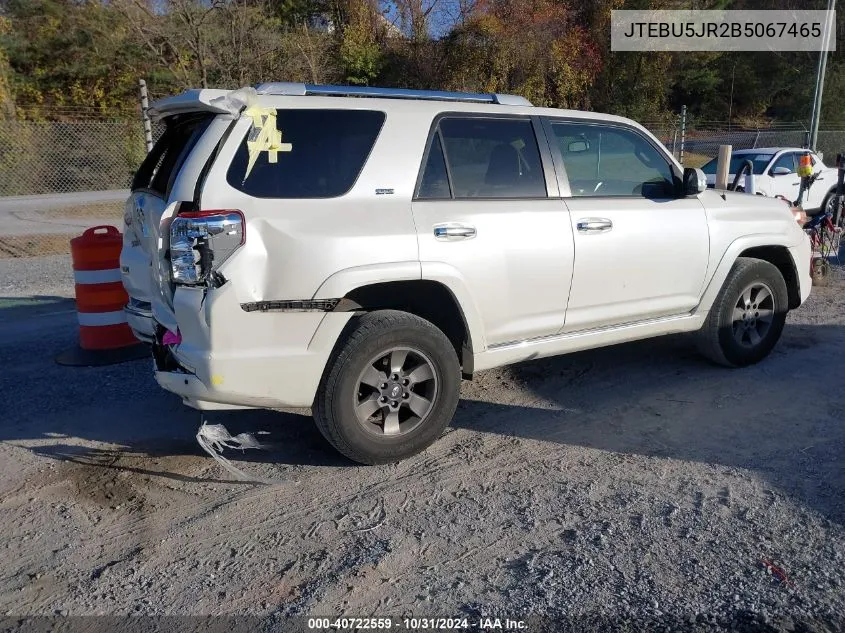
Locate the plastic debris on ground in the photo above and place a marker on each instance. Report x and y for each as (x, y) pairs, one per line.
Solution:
(214, 438)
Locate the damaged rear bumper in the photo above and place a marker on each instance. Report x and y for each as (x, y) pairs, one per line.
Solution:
(248, 359)
(192, 390)
(139, 316)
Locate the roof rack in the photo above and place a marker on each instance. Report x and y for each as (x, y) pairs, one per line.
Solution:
(297, 89)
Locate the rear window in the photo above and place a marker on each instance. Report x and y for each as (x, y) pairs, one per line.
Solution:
(159, 169)
(325, 151)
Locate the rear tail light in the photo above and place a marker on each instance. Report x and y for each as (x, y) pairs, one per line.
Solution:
(200, 241)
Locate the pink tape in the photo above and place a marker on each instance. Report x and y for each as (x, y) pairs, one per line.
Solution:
(170, 338)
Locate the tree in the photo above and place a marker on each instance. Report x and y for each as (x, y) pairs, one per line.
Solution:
(70, 54)
(361, 56)
(65, 54)
(532, 48)
(7, 101)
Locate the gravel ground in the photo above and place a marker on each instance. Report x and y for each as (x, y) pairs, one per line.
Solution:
(618, 489)
(36, 277)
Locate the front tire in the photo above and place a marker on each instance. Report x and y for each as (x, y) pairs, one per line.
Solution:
(390, 388)
(827, 203)
(747, 318)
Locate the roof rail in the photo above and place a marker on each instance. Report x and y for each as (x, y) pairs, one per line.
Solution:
(297, 89)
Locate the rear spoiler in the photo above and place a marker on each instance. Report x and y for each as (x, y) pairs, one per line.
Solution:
(205, 100)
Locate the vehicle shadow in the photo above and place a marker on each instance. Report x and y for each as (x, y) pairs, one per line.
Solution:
(24, 308)
(782, 418)
(657, 398)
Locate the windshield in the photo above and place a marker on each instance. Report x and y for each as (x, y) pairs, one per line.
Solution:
(760, 161)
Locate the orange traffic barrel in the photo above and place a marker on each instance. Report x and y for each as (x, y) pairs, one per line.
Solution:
(104, 335)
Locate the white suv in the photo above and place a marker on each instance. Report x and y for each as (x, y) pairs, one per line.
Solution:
(359, 250)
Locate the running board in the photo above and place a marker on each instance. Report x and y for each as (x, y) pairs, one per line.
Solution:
(552, 345)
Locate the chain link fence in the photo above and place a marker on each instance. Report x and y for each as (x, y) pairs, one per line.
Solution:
(63, 167)
(58, 178)
(695, 142)
(61, 157)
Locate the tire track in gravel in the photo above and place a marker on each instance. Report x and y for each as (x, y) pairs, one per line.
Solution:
(619, 481)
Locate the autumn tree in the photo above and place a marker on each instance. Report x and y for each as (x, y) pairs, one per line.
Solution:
(61, 55)
(7, 101)
(531, 48)
(70, 53)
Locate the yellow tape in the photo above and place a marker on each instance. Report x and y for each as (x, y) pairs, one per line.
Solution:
(264, 137)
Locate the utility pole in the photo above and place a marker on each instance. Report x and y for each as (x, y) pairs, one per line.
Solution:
(820, 72)
(731, 106)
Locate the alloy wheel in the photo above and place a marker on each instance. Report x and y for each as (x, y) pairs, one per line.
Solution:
(753, 315)
(396, 392)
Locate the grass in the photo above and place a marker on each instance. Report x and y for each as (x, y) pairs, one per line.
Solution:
(692, 159)
(34, 245)
(104, 210)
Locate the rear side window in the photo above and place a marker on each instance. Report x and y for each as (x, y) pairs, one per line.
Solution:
(435, 180)
(487, 158)
(325, 152)
(162, 164)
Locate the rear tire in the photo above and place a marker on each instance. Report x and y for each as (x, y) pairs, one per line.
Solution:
(390, 388)
(747, 318)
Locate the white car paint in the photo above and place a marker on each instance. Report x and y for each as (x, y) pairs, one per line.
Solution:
(528, 284)
(651, 264)
(144, 208)
(735, 223)
(141, 209)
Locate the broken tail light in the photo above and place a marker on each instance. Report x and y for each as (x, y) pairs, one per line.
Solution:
(200, 241)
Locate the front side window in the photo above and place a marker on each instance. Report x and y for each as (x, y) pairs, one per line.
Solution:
(322, 153)
(784, 160)
(487, 158)
(604, 160)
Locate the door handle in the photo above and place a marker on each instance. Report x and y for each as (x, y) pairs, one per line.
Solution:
(454, 232)
(594, 225)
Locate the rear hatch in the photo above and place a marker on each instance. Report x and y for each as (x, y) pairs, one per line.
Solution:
(186, 119)
(148, 199)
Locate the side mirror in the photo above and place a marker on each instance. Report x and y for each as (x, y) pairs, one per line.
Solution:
(694, 181)
(781, 171)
